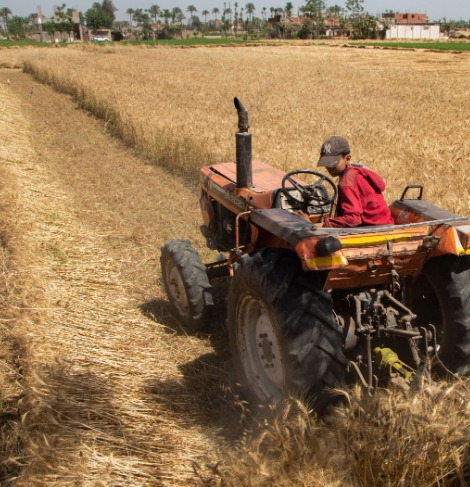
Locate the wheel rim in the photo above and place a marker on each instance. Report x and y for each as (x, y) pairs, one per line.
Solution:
(260, 350)
(176, 289)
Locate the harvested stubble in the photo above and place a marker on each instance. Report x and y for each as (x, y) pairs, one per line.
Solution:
(13, 290)
(108, 395)
(405, 113)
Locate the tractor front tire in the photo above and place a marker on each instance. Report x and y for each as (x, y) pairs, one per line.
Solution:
(442, 294)
(283, 335)
(186, 283)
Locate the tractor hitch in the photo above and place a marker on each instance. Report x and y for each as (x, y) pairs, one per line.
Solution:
(375, 318)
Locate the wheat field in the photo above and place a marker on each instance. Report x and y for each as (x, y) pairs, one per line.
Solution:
(404, 113)
(90, 215)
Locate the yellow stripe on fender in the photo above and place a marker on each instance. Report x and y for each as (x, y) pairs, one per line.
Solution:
(326, 261)
(375, 239)
(450, 243)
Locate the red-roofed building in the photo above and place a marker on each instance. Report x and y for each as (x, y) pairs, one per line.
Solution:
(405, 18)
(411, 18)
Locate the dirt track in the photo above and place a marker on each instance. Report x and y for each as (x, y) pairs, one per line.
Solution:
(115, 392)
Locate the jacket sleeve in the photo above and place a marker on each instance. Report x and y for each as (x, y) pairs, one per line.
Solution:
(351, 209)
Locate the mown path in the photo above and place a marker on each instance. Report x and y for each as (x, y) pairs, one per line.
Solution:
(114, 392)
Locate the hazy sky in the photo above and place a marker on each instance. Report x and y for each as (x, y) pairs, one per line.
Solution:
(435, 9)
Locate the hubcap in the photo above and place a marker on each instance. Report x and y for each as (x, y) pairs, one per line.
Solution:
(260, 350)
(177, 290)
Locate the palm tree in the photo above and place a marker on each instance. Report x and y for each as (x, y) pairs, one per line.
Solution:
(205, 13)
(130, 12)
(180, 17)
(154, 11)
(4, 13)
(141, 16)
(166, 14)
(228, 11)
(289, 7)
(191, 9)
(250, 8)
(263, 13)
(215, 11)
(236, 18)
(138, 12)
(175, 11)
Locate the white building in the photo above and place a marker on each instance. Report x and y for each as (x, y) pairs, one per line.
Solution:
(413, 31)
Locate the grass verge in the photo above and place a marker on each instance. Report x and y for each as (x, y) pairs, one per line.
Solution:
(22, 43)
(432, 46)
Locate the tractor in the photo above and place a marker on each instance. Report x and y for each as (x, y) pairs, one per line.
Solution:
(309, 307)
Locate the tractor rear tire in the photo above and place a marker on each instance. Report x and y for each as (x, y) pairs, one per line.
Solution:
(443, 295)
(186, 283)
(283, 335)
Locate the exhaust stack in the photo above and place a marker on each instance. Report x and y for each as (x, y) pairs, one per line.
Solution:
(243, 147)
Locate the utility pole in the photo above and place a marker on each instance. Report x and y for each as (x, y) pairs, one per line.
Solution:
(39, 22)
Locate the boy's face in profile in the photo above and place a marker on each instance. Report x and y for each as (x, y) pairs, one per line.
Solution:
(340, 167)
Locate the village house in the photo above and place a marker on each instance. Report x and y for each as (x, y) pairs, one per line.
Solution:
(76, 34)
(214, 24)
(284, 23)
(410, 26)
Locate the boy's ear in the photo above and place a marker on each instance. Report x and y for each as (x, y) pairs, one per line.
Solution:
(348, 157)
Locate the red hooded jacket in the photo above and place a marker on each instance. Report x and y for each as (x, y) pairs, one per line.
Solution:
(360, 199)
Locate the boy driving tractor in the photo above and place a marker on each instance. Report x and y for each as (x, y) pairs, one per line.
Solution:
(360, 198)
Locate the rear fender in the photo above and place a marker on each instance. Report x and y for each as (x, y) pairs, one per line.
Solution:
(452, 240)
(305, 238)
(327, 248)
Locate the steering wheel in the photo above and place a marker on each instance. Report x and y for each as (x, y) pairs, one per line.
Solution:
(309, 192)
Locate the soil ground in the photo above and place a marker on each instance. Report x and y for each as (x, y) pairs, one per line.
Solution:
(99, 384)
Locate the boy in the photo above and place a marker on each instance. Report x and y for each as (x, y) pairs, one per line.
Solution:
(360, 198)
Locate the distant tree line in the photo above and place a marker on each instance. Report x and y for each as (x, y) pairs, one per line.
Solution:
(316, 14)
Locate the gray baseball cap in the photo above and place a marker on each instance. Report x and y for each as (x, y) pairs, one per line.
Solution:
(332, 150)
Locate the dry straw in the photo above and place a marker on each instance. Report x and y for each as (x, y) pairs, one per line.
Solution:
(102, 396)
(113, 398)
(386, 440)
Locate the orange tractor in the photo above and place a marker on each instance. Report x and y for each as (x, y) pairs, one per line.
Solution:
(307, 305)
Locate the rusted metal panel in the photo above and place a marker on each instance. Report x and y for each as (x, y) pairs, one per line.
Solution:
(373, 272)
(265, 177)
(410, 211)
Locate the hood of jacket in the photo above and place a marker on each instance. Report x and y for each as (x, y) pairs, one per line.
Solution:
(377, 183)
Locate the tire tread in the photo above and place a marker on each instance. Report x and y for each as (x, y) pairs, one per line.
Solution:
(193, 273)
(449, 276)
(312, 338)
